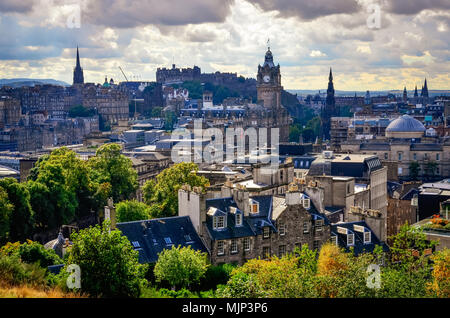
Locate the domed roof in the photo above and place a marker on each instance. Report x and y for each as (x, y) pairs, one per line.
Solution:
(405, 123)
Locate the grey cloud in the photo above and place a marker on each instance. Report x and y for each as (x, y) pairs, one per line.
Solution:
(308, 10)
(19, 6)
(132, 13)
(410, 7)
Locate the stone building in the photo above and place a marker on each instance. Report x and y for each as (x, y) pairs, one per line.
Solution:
(406, 144)
(237, 227)
(10, 111)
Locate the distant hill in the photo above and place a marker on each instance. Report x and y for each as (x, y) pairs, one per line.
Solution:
(305, 92)
(18, 82)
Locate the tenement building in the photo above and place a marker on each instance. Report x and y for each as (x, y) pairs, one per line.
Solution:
(236, 227)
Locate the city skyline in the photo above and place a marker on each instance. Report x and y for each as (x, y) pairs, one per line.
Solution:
(231, 36)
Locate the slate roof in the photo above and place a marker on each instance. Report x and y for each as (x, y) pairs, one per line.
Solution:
(251, 225)
(426, 147)
(149, 236)
(359, 245)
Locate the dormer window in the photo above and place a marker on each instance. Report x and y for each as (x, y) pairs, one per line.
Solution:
(350, 239)
(219, 222)
(367, 237)
(238, 219)
(254, 207)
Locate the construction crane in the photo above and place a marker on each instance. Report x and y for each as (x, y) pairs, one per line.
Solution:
(123, 73)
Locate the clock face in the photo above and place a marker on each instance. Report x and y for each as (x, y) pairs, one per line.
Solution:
(266, 78)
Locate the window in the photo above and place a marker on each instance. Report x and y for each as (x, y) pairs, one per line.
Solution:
(334, 239)
(386, 156)
(426, 156)
(238, 219)
(246, 244)
(306, 203)
(220, 248)
(415, 156)
(305, 227)
(234, 246)
(266, 252)
(219, 222)
(400, 171)
(255, 207)
(367, 237)
(350, 239)
(135, 244)
(281, 250)
(319, 224)
(316, 245)
(266, 232)
(281, 175)
(187, 238)
(400, 156)
(281, 228)
(438, 157)
(168, 241)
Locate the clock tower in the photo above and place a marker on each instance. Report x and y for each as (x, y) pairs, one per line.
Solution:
(269, 89)
(269, 83)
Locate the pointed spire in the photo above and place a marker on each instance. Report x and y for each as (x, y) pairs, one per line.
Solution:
(415, 92)
(331, 75)
(78, 58)
(78, 77)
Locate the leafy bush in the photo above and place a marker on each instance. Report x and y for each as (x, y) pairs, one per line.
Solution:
(181, 266)
(14, 272)
(109, 264)
(31, 252)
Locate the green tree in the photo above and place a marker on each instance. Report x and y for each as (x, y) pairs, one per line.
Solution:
(109, 264)
(430, 168)
(6, 209)
(21, 219)
(132, 210)
(294, 133)
(80, 111)
(52, 185)
(414, 170)
(110, 166)
(156, 112)
(162, 195)
(61, 188)
(181, 266)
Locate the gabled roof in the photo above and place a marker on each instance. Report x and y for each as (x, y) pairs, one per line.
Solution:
(226, 206)
(359, 245)
(151, 237)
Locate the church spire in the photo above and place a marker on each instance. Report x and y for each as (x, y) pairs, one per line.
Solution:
(425, 89)
(78, 77)
(78, 58)
(415, 92)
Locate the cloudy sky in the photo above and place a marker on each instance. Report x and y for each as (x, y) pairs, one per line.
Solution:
(38, 39)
